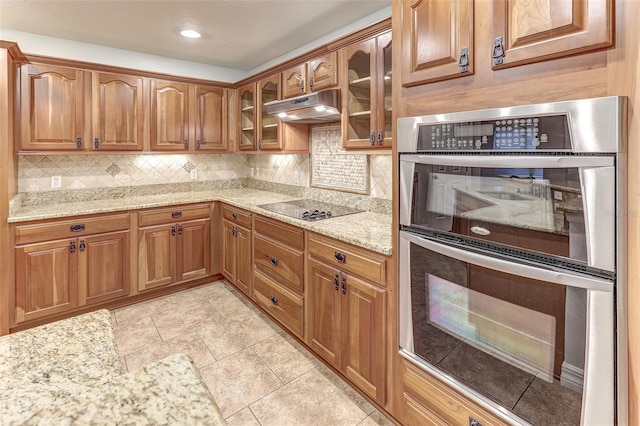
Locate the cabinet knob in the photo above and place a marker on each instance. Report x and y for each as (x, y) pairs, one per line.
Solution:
(274, 261)
(274, 300)
(234, 215)
(340, 257)
(336, 282)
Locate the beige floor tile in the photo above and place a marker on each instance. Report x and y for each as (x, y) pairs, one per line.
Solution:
(233, 334)
(243, 418)
(311, 399)
(144, 309)
(228, 304)
(237, 381)
(376, 419)
(200, 293)
(133, 336)
(185, 319)
(346, 389)
(284, 359)
(189, 344)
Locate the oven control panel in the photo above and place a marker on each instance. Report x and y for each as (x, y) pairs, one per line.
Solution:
(540, 133)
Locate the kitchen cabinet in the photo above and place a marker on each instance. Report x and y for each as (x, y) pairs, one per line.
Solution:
(366, 102)
(311, 76)
(52, 108)
(173, 245)
(278, 276)
(346, 314)
(118, 104)
(169, 115)
(237, 248)
(210, 120)
(260, 131)
(437, 40)
(65, 264)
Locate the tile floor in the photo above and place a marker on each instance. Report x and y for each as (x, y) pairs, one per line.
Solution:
(257, 373)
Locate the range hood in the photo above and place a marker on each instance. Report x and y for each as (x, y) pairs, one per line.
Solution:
(318, 107)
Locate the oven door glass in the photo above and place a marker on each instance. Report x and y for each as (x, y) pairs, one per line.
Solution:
(546, 205)
(535, 342)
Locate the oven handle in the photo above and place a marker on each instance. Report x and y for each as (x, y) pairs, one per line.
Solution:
(519, 269)
(510, 161)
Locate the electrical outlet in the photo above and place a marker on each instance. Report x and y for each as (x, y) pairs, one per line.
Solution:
(557, 195)
(194, 173)
(56, 181)
(296, 177)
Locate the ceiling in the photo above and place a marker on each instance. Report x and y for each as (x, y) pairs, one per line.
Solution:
(237, 34)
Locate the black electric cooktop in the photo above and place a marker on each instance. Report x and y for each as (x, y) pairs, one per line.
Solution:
(309, 210)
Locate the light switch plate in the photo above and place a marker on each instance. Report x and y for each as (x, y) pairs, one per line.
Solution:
(56, 181)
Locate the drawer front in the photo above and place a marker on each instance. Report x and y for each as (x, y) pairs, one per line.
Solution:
(281, 304)
(288, 235)
(284, 265)
(25, 234)
(236, 215)
(360, 262)
(173, 214)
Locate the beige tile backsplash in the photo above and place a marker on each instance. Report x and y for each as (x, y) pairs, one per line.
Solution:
(108, 171)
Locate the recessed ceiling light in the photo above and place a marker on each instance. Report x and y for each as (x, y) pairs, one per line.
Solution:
(190, 34)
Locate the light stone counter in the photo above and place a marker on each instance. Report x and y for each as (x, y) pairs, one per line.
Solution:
(368, 230)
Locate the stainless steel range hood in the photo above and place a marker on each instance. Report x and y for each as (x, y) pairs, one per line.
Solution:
(318, 107)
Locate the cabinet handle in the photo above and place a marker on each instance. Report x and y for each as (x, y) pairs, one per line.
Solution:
(77, 227)
(498, 51)
(463, 62)
(173, 231)
(234, 215)
(197, 143)
(336, 282)
(259, 143)
(186, 144)
(344, 285)
(340, 257)
(234, 231)
(82, 245)
(372, 138)
(179, 229)
(311, 83)
(301, 86)
(79, 143)
(380, 138)
(274, 300)
(176, 214)
(72, 246)
(96, 143)
(274, 261)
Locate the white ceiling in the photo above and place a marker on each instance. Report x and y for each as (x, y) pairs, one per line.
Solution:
(237, 34)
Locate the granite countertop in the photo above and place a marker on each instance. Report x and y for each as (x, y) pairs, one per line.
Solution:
(69, 372)
(367, 229)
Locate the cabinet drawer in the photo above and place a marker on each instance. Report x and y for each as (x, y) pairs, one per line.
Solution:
(284, 265)
(288, 235)
(173, 214)
(71, 228)
(281, 304)
(349, 258)
(237, 216)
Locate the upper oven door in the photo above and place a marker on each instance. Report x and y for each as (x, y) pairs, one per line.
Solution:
(551, 205)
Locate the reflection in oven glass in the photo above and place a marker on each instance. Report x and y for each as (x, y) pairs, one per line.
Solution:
(512, 339)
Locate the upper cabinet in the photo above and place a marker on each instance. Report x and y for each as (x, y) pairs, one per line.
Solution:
(52, 108)
(536, 30)
(437, 40)
(118, 105)
(260, 131)
(366, 94)
(317, 74)
(210, 118)
(169, 116)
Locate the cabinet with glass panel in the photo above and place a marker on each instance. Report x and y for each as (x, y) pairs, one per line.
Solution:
(366, 102)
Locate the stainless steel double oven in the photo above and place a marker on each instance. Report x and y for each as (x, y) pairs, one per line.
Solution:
(512, 257)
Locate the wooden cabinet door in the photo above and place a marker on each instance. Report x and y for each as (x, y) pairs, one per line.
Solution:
(118, 105)
(364, 337)
(535, 30)
(103, 267)
(211, 119)
(323, 72)
(244, 265)
(156, 256)
(325, 312)
(434, 36)
(294, 81)
(248, 126)
(46, 279)
(52, 108)
(269, 137)
(384, 130)
(229, 251)
(194, 246)
(169, 116)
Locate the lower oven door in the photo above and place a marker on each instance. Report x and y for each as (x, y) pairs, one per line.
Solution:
(533, 345)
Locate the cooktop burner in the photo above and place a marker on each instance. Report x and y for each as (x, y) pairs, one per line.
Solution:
(309, 210)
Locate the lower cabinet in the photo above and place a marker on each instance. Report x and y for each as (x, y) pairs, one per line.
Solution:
(61, 265)
(236, 248)
(346, 315)
(173, 245)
